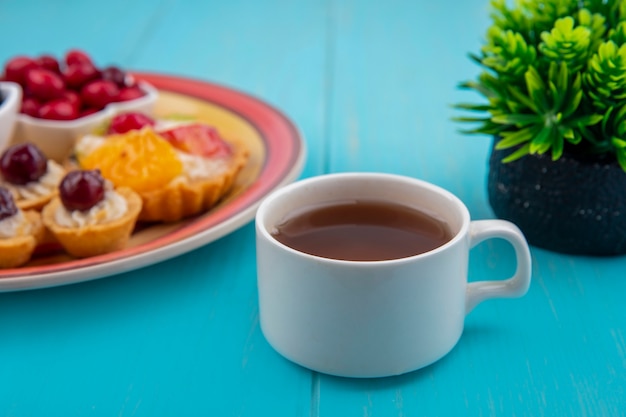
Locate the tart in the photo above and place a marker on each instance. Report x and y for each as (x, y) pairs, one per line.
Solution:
(90, 217)
(178, 169)
(32, 178)
(20, 232)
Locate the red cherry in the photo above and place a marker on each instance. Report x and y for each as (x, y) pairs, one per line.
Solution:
(130, 93)
(30, 106)
(77, 75)
(7, 204)
(23, 163)
(44, 84)
(16, 69)
(125, 122)
(59, 109)
(114, 74)
(75, 56)
(73, 98)
(48, 62)
(81, 190)
(99, 93)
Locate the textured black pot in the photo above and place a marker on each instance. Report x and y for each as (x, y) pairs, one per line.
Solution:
(573, 205)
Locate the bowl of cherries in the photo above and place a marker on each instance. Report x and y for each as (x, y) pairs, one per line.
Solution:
(67, 98)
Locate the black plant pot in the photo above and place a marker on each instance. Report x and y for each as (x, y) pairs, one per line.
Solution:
(573, 205)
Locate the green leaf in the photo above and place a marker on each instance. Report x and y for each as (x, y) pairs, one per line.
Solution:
(523, 151)
(479, 88)
(618, 143)
(621, 158)
(621, 113)
(559, 83)
(621, 128)
(475, 58)
(576, 139)
(522, 98)
(557, 147)
(566, 132)
(557, 95)
(487, 129)
(472, 107)
(536, 89)
(573, 104)
(517, 119)
(470, 85)
(510, 139)
(606, 118)
(542, 141)
(471, 119)
(587, 120)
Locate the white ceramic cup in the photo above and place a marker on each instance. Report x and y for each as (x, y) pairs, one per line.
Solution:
(374, 318)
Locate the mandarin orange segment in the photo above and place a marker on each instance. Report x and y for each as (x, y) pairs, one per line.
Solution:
(139, 159)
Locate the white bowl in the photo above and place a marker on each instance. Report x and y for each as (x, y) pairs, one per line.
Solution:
(56, 138)
(11, 98)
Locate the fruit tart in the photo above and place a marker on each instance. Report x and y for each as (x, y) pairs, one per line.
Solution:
(20, 231)
(91, 217)
(32, 178)
(178, 168)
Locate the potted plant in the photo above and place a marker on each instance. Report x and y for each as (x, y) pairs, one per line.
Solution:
(553, 79)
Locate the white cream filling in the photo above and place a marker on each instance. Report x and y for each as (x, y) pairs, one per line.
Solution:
(15, 226)
(87, 144)
(198, 168)
(44, 186)
(112, 207)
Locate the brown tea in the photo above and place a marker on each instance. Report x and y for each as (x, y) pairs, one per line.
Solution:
(362, 230)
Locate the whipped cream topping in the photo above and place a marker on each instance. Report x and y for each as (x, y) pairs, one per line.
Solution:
(112, 207)
(88, 143)
(14, 226)
(44, 186)
(198, 168)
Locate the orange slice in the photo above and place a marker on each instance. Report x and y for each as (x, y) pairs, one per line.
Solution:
(138, 159)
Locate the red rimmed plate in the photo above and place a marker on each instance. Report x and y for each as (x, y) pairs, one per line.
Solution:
(277, 154)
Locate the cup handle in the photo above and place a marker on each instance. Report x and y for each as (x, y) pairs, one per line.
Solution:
(518, 284)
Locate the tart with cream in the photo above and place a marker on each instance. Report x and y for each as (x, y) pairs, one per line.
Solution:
(178, 169)
(32, 178)
(20, 231)
(90, 217)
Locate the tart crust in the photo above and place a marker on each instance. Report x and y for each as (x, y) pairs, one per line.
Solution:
(37, 203)
(16, 251)
(180, 199)
(95, 239)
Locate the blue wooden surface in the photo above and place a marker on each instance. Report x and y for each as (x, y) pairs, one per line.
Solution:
(370, 85)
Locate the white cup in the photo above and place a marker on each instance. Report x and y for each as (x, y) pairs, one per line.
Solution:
(374, 318)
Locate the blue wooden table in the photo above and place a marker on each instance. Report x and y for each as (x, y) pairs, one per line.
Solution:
(370, 85)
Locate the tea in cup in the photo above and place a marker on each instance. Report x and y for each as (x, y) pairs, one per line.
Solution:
(365, 274)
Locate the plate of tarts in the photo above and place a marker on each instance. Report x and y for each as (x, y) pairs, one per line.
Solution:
(275, 155)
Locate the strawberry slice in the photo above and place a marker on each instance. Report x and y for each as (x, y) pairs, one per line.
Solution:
(197, 139)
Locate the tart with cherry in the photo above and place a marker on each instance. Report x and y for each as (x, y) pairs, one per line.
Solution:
(90, 217)
(20, 231)
(30, 176)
